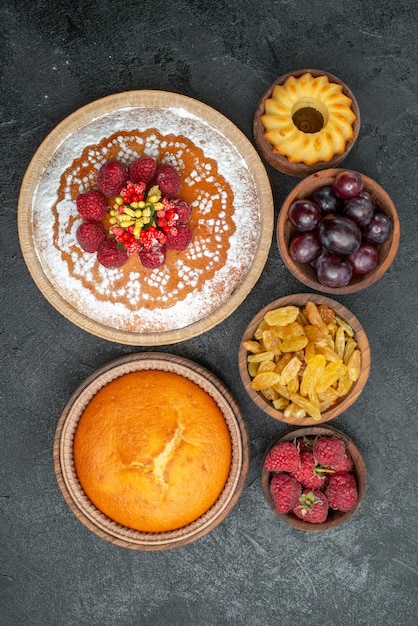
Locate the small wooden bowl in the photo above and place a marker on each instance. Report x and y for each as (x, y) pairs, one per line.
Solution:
(335, 518)
(343, 403)
(282, 163)
(304, 272)
(66, 474)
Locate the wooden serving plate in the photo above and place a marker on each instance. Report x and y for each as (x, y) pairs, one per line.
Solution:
(75, 496)
(136, 111)
(280, 162)
(335, 518)
(344, 403)
(304, 272)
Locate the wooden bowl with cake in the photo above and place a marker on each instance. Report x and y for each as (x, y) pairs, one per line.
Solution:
(307, 120)
(314, 479)
(151, 452)
(338, 231)
(304, 359)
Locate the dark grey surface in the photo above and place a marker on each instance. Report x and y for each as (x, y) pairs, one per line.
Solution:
(251, 569)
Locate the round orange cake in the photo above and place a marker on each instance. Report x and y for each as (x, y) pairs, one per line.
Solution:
(152, 451)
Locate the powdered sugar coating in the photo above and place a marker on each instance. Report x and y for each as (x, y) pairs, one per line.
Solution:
(225, 221)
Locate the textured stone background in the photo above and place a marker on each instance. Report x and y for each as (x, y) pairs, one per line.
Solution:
(251, 569)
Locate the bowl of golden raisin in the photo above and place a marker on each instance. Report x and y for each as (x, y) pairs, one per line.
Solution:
(304, 359)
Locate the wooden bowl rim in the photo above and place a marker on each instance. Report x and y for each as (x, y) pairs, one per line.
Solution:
(70, 486)
(280, 162)
(335, 518)
(344, 403)
(386, 206)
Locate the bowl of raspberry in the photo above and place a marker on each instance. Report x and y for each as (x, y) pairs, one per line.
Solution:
(314, 479)
(338, 231)
(304, 359)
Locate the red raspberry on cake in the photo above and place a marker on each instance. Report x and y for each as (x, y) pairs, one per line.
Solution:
(143, 169)
(90, 235)
(183, 210)
(285, 492)
(168, 180)
(342, 492)
(112, 176)
(329, 451)
(312, 506)
(179, 237)
(154, 257)
(309, 474)
(283, 457)
(91, 205)
(109, 254)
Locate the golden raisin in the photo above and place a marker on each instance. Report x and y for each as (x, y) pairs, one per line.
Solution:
(282, 316)
(326, 313)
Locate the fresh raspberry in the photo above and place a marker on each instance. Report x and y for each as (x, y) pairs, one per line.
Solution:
(183, 210)
(109, 254)
(91, 205)
(143, 169)
(309, 474)
(168, 180)
(153, 257)
(312, 506)
(283, 457)
(342, 492)
(90, 235)
(329, 451)
(179, 237)
(285, 492)
(112, 176)
(345, 465)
